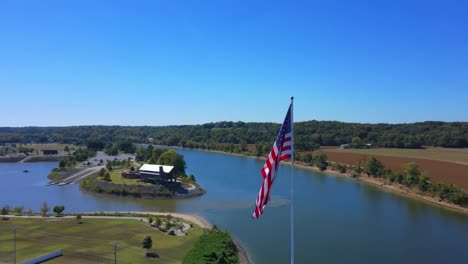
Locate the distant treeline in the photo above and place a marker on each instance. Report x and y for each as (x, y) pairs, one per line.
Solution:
(308, 135)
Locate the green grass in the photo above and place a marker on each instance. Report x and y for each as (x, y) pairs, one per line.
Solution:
(453, 155)
(47, 146)
(117, 178)
(91, 242)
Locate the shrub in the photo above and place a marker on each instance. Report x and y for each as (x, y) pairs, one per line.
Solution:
(44, 209)
(214, 246)
(18, 209)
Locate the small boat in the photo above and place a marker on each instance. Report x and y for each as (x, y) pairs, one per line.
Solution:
(25, 171)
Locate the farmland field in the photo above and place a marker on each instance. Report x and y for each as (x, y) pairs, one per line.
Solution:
(445, 154)
(440, 164)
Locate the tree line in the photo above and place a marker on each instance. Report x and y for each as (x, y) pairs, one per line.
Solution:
(409, 176)
(308, 135)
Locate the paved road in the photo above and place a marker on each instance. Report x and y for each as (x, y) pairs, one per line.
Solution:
(77, 177)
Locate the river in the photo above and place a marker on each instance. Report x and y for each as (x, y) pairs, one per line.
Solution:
(337, 220)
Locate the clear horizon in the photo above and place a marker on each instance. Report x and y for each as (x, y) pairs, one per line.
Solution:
(158, 63)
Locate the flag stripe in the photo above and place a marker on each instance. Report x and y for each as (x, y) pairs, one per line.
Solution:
(281, 150)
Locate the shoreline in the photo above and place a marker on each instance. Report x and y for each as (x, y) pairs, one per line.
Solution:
(109, 188)
(397, 189)
(401, 190)
(192, 218)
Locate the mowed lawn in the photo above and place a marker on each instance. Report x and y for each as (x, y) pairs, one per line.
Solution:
(92, 241)
(444, 154)
(116, 177)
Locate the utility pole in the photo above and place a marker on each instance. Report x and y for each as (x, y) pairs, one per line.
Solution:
(115, 252)
(14, 245)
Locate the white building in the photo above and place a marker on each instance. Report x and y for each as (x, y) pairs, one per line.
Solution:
(156, 172)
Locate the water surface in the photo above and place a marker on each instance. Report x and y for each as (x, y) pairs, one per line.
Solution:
(337, 220)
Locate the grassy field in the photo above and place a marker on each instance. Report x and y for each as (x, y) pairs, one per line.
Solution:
(444, 154)
(91, 242)
(116, 177)
(47, 146)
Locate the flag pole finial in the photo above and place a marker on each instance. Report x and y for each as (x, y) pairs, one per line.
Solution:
(292, 98)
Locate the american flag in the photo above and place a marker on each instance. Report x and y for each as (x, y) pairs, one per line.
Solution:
(281, 150)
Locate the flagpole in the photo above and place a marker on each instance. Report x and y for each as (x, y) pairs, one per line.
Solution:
(292, 181)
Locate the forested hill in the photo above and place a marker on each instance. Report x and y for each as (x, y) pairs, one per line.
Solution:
(308, 134)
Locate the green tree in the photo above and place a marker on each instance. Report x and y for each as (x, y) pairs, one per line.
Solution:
(192, 178)
(106, 176)
(412, 174)
(62, 164)
(147, 243)
(44, 209)
(157, 221)
(172, 158)
(126, 146)
(358, 168)
(4, 211)
(67, 149)
(18, 209)
(78, 219)
(112, 150)
(94, 144)
(320, 161)
(356, 142)
(373, 167)
(423, 184)
(25, 150)
(155, 155)
(58, 209)
(258, 149)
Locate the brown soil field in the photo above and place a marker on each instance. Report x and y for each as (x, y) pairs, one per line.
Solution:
(436, 170)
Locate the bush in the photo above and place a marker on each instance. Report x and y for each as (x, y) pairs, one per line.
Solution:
(106, 176)
(18, 209)
(44, 209)
(152, 255)
(214, 246)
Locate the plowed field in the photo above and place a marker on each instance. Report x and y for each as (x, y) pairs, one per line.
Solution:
(438, 170)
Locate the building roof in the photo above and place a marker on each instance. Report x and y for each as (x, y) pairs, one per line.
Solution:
(155, 168)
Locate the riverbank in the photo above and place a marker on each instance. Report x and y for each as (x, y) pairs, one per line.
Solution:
(395, 188)
(398, 189)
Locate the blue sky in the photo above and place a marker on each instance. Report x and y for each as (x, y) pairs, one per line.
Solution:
(192, 62)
